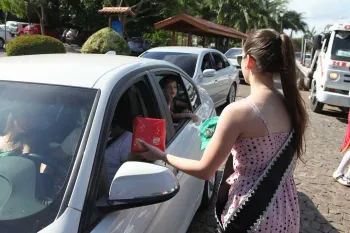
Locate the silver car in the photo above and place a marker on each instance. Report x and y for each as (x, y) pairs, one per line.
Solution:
(66, 117)
(209, 69)
(232, 54)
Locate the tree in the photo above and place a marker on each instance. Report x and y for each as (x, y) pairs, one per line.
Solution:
(39, 7)
(310, 33)
(13, 7)
(292, 20)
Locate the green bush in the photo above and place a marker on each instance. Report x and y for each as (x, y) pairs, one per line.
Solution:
(160, 37)
(34, 44)
(106, 40)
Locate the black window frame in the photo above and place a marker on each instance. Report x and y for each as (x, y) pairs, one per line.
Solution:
(173, 133)
(210, 59)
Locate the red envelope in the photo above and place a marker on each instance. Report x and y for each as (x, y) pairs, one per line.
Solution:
(149, 130)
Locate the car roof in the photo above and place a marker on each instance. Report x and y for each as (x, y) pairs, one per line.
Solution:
(81, 70)
(181, 49)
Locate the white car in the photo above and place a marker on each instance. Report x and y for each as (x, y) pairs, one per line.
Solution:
(4, 39)
(74, 107)
(209, 69)
(232, 54)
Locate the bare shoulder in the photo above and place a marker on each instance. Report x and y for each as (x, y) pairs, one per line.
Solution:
(235, 115)
(237, 110)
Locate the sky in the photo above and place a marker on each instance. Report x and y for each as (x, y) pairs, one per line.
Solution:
(319, 13)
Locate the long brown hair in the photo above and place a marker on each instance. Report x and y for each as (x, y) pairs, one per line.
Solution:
(274, 53)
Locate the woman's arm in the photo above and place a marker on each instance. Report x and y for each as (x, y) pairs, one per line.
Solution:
(227, 131)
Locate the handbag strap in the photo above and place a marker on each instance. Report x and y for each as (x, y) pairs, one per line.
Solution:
(247, 216)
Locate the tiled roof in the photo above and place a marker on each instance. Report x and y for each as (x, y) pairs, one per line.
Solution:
(202, 26)
(116, 10)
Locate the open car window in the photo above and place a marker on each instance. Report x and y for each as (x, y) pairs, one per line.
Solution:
(41, 127)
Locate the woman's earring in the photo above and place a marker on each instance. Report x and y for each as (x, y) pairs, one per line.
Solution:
(246, 68)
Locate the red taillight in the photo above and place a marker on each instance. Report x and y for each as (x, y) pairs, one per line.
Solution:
(331, 90)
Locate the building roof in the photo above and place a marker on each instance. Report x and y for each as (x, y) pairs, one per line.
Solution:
(190, 24)
(117, 10)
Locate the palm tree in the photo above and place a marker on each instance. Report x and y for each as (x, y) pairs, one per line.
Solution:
(310, 33)
(292, 20)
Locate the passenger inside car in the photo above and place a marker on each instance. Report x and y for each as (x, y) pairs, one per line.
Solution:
(117, 151)
(179, 109)
(18, 134)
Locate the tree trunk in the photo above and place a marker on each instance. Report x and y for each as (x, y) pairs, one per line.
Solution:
(5, 13)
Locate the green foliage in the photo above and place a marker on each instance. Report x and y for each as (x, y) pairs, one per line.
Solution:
(160, 37)
(106, 40)
(14, 7)
(34, 44)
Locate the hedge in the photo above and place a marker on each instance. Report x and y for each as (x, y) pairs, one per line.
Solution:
(106, 40)
(34, 44)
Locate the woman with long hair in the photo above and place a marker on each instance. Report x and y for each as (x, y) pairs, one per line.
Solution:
(265, 135)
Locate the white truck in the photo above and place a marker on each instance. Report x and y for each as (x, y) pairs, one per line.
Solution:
(328, 75)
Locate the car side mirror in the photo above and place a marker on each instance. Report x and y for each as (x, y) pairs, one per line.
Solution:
(139, 184)
(209, 73)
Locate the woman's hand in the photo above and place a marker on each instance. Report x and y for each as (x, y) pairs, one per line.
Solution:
(152, 154)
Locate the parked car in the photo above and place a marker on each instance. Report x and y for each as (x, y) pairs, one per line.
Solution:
(138, 45)
(34, 29)
(4, 39)
(209, 69)
(80, 107)
(232, 54)
(76, 36)
(20, 28)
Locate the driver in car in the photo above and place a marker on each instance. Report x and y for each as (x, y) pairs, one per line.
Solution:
(169, 86)
(18, 136)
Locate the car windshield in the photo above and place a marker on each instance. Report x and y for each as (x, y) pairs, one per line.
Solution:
(186, 61)
(341, 46)
(232, 53)
(41, 127)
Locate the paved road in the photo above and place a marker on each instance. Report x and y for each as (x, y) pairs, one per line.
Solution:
(2, 53)
(324, 204)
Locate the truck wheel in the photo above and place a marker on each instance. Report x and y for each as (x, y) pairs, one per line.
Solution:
(314, 104)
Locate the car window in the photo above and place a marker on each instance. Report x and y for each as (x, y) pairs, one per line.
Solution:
(45, 124)
(137, 101)
(232, 53)
(206, 63)
(219, 61)
(186, 61)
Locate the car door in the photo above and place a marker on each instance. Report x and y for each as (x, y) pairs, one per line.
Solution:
(175, 215)
(224, 73)
(210, 84)
(136, 86)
